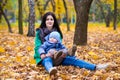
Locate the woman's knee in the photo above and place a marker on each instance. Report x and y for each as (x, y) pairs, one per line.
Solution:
(47, 59)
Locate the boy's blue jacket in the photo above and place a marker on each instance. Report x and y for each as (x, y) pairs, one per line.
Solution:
(48, 45)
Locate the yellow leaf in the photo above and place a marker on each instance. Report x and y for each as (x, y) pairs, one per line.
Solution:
(1, 64)
(18, 58)
(108, 55)
(117, 75)
(32, 61)
(93, 55)
(64, 76)
(2, 50)
(29, 48)
(12, 43)
(85, 73)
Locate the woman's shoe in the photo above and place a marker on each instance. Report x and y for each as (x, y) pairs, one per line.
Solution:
(71, 52)
(102, 66)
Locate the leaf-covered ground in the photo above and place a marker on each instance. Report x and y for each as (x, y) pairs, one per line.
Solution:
(17, 63)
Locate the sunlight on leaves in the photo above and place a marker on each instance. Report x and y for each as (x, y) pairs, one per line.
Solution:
(93, 55)
(2, 50)
(29, 48)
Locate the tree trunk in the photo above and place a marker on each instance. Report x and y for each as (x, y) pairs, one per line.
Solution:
(0, 16)
(46, 4)
(108, 17)
(82, 8)
(39, 9)
(59, 12)
(53, 5)
(102, 11)
(115, 14)
(66, 11)
(2, 12)
(20, 23)
(31, 29)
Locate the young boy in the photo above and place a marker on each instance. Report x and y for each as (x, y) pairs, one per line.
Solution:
(53, 47)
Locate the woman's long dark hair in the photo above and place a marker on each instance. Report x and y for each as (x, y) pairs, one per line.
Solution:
(55, 25)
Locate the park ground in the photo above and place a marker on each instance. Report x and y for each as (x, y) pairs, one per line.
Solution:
(17, 51)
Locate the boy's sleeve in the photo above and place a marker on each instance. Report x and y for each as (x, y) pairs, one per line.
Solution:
(42, 48)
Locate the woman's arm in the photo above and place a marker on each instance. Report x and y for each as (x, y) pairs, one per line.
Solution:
(37, 44)
(37, 41)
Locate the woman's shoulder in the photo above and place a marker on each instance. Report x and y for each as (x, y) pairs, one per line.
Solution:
(37, 29)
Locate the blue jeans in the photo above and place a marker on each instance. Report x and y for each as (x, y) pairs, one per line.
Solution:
(69, 60)
(47, 63)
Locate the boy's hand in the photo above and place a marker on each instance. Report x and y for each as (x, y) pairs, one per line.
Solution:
(63, 55)
(43, 56)
(49, 55)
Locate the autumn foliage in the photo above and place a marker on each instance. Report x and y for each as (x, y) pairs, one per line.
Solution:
(16, 56)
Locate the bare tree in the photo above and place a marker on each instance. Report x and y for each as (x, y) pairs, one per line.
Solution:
(46, 4)
(66, 11)
(39, 9)
(4, 15)
(31, 29)
(82, 8)
(20, 22)
(115, 14)
(0, 16)
(107, 16)
(53, 5)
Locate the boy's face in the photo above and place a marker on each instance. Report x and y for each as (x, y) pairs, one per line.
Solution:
(53, 40)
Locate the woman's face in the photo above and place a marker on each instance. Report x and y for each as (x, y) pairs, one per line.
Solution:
(49, 22)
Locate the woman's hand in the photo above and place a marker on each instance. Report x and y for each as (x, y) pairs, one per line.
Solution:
(43, 56)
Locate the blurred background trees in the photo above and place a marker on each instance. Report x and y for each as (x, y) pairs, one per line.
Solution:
(19, 11)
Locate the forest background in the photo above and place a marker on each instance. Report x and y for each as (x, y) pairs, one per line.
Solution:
(20, 18)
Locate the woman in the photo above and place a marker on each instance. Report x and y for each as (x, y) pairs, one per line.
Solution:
(49, 24)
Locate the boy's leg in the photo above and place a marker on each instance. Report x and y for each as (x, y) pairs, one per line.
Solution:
(52, 51)
(48, 64)
(71, 51)
(69, 60)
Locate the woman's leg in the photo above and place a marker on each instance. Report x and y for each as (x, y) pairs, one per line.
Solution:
(69, 60)
(48, 64)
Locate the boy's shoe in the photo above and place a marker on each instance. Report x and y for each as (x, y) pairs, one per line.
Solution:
(102, 66)
(71, 52)
(57, 54)
(53, 71)
(57, 59)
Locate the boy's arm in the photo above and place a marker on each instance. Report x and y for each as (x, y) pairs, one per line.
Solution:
(42, 48)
